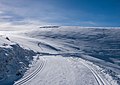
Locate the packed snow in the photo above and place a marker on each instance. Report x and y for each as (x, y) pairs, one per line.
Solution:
(61, 55)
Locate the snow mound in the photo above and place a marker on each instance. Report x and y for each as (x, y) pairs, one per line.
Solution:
(14, 61)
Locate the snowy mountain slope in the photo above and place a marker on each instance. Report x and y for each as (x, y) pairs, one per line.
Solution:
(14, 61)
(99, 45)
(102, 44)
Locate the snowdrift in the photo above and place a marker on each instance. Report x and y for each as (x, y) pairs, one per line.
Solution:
(14, 61)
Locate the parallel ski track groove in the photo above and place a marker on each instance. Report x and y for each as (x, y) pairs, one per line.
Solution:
(33, 74)
(97, 77)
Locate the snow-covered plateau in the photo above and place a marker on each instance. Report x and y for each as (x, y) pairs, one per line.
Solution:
(60, 55)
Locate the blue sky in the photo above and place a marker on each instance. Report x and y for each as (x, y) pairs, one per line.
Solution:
(60, 12)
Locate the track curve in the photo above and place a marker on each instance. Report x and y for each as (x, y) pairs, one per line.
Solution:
(33, 74)
(95, 74)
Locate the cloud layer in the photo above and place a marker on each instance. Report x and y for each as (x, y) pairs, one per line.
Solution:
(57, 12)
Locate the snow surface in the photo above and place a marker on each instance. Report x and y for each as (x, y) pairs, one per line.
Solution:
(62, 71)
(14, 61)
(68, 55)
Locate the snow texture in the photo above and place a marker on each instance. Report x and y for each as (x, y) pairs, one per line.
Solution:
(95, 55)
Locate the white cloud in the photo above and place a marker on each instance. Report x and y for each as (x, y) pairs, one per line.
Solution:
(1, 12)
(10, 26)
(26, 22)
(30, 15)
(19, 25)
(88, 23)
(5, 17)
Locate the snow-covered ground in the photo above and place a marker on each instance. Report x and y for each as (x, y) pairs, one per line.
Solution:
(67, 55)
(14, 61)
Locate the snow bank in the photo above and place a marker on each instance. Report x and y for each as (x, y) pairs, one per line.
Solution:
(14, 61)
